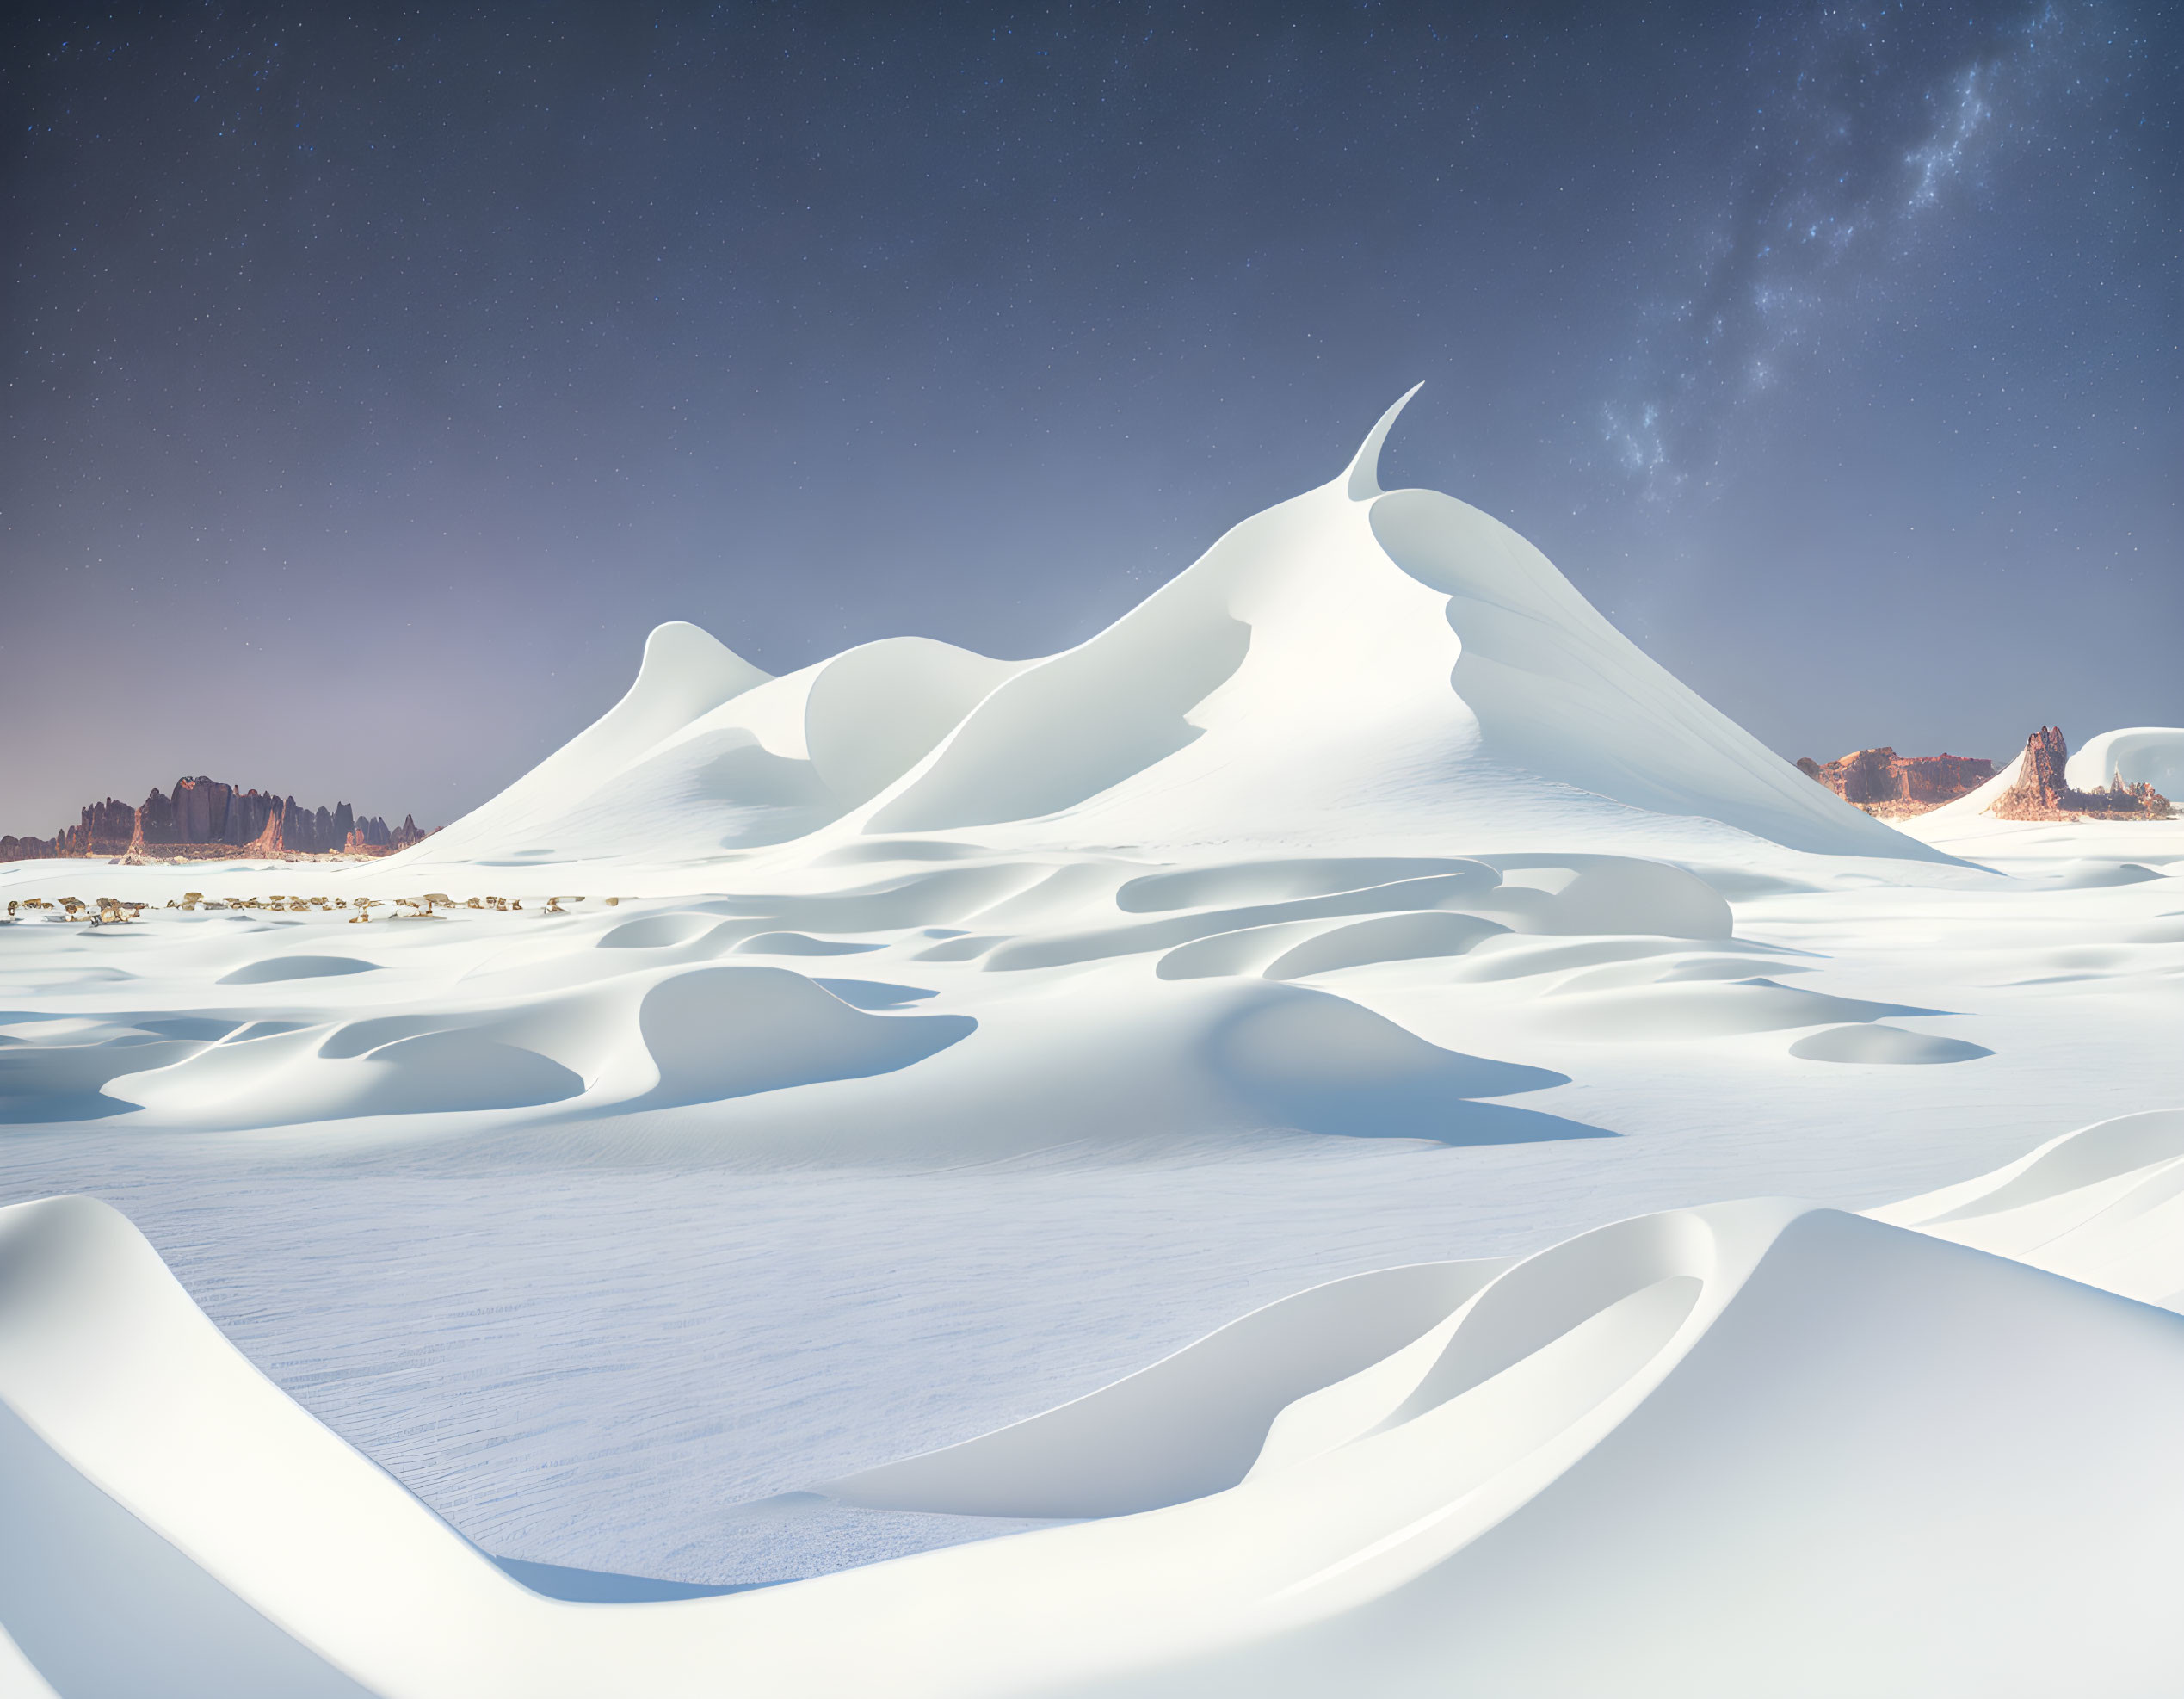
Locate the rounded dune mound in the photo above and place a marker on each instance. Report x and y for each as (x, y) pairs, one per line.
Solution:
(1285, 880)
(657, 931)
(452, 1071)
(1467, 888)
(1883, 1044)
(1607, 894)
(276, 969)
(393, 1064)
(1675, 1010)
(732, 1031)
(2088, 875)
(939, 897)
(896, 850)
(799, 943)
(1323, 1063)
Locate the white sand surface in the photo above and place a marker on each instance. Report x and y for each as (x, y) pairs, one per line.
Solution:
(1308, 1042)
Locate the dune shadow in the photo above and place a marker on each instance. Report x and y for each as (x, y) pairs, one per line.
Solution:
(1470, 1123)
(603, 1586)
(65, 1107)
(1322, 1064)
(874, 994)
(66, 1082)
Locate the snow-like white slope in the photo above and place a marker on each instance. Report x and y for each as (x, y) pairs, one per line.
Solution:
(2104, 1205)
(1354, 665)
(706, 754)
(685, 673)
(1646, 1461)
(2143, 755)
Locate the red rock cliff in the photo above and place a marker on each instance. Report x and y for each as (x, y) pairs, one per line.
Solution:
(1880, 778)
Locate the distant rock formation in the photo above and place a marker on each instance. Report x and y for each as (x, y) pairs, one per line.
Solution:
(104, 831)
(2042, 792)
(1884, 783)
(205, 818)
(371, 837)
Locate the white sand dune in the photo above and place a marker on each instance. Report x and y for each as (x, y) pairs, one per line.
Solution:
(1361, 918)
(1644, 1460)
(2104, 1205)
(707, 753)
(1174, 1014)
(1355, 656)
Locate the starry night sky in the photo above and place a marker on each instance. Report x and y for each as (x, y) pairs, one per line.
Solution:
(374, 382)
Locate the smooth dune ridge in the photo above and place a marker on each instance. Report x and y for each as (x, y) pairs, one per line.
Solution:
(2100, 1205)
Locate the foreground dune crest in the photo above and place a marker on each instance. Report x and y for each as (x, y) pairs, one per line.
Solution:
(1642, 1459)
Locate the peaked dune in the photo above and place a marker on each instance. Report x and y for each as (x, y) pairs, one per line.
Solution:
(1353, 663)
(1359, 656)
(717, 757)
(685, 672)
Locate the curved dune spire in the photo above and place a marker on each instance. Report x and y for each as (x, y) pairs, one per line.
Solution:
(1362, 480)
